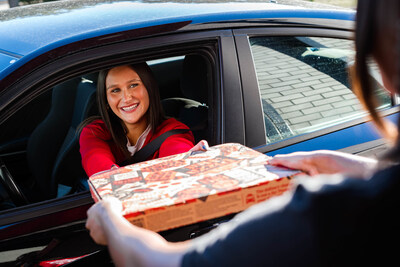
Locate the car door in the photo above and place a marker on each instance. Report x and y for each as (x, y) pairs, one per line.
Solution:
(26, 230)
(297, 91)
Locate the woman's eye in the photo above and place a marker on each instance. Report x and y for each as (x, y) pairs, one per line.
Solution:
(133, 85)
(115, 90)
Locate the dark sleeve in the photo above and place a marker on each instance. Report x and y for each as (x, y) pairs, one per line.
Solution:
(324, 221)
(266, 234)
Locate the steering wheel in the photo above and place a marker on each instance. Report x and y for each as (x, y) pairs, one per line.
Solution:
(14, 192)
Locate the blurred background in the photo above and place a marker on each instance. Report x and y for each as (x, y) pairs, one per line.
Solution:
(4, 4)
(343, 3)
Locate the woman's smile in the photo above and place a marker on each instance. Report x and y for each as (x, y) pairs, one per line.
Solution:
(130, 108)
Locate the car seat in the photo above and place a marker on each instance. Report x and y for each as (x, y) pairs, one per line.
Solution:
(68, 168)
(192, 109)
(53, 148)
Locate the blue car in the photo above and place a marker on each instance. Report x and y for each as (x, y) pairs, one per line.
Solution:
(271, 76)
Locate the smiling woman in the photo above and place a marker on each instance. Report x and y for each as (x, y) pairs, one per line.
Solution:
(128, 98)
(131, 118)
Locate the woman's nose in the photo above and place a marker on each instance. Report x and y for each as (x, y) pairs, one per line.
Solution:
(127, 95)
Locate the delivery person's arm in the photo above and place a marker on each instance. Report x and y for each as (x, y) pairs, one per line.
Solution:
(128, 244)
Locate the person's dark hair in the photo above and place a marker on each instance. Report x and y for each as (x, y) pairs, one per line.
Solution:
(155, 114)
(374, 26)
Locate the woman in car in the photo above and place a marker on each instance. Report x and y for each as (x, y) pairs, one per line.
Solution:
(326, 220)
(131, 117)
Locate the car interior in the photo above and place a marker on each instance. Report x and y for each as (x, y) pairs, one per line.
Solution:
(41, 159)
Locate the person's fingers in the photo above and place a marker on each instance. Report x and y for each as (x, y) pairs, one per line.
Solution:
(200, 146)
(297, 161)
(87, 225)
(312, 171)
(91, 214)
(204, 145)
(94, 226)
(112, 204)
(288, 162)
(273, 161)
(269, 158)
(97, 234)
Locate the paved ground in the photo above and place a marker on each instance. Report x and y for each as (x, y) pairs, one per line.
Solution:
(306, 98)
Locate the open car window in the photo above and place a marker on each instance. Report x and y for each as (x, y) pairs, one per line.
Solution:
(39, 144)
(304, 84)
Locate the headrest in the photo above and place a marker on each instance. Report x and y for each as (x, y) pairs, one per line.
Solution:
(194, 80)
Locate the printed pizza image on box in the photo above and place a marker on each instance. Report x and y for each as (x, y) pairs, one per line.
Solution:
(179, 190)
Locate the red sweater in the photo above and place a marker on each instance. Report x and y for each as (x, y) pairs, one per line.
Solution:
(99, 152)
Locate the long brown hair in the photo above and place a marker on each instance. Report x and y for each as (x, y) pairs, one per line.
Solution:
(377, 21)
(155, 114)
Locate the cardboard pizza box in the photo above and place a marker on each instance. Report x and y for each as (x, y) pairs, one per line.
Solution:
(183, 189)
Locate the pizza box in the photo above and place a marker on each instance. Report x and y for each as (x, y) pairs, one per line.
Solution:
(187, 188)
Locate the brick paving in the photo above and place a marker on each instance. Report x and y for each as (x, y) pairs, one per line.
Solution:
(306, 98)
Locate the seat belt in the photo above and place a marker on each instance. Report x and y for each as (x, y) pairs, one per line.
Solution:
(152, 147)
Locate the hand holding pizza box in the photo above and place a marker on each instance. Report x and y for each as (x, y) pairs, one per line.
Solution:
(179, 190)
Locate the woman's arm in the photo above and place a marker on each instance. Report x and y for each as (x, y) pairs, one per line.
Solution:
(128, 244)
(95, 151)
(326, 162)
(176, 144)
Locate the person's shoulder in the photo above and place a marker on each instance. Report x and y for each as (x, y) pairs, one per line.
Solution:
(98, 128)
(170, 124)
(387, 178)
(96, 123)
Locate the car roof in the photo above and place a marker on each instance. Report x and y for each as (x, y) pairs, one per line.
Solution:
(32, 30)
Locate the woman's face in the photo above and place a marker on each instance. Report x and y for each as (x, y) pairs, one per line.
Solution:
(127, 96)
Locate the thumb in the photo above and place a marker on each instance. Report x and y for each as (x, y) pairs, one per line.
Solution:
(200, 146)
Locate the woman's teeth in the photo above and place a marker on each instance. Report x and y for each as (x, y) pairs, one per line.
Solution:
(130, 107)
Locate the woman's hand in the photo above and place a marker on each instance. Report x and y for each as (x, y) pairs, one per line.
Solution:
(200, 146)
(326, 162)
(95, 223)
